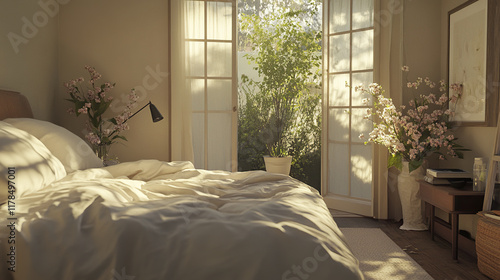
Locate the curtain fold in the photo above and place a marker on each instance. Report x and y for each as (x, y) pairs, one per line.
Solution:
(180, 101)
(390, 63)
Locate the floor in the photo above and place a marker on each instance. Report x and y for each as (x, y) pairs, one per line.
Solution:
(433, 256)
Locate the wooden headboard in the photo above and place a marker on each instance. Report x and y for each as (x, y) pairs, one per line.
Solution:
(14, 105)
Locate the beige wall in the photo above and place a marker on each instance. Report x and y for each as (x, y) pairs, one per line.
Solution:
(421, 44)
(127, 42)
(28, 53)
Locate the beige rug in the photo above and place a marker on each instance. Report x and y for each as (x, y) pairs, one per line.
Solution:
(380, 257)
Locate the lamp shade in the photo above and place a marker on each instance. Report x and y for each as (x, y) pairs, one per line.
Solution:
(155, 114)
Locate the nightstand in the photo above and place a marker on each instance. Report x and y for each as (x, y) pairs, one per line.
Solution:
(454, 202)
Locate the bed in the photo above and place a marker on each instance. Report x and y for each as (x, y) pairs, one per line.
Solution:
(70, 218)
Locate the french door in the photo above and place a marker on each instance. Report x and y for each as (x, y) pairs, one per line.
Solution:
(348, 60)
(211, 50)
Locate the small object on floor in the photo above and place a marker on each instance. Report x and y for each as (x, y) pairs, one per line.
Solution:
(410, 249)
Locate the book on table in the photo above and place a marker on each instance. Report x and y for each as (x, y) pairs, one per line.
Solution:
(448, 173)
(436, 181)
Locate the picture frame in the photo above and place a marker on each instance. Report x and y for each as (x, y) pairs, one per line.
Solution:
(473, 56)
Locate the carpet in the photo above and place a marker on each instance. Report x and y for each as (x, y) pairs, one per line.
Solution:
(380, 258)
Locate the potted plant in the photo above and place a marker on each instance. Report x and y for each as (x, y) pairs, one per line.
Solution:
(411, 134)
(287, 57)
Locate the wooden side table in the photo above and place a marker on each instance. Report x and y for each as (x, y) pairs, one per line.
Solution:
(452, 201)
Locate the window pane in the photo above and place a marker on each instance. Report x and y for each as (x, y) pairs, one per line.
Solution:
(338, 156)
(198, 93)
(219, 141)
(339, 53)
(340, 15)
(338, 92)
(219, 95)
(198, 125)
(362, 13)
(219, 21)
(219, 59)
(196, 58)
(195, 19)
(338, 125)
(365, 78)
(359, 125)
(362, 50)
(361, 171)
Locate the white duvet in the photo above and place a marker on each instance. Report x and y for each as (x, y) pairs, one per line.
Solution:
(156, 220)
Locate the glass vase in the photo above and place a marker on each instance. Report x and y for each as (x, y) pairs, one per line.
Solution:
(103, 152)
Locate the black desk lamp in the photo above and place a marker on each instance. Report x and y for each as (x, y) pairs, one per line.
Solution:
(155, 114)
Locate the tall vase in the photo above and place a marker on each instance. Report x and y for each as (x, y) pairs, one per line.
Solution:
(409, 194)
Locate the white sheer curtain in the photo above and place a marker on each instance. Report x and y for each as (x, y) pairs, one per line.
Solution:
(389, 76)
(181, 131)
(203, 32)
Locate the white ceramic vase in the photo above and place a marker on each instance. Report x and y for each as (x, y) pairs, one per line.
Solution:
(409, 194)
(280, 165)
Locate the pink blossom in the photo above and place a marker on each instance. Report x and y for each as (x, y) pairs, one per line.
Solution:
(121, 127)
(402, 129)
(107, 131)
(400, 147)
(83, 110)
(93, 138)
(120, 119)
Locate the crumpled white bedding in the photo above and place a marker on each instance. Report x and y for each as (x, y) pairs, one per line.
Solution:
(157, 220)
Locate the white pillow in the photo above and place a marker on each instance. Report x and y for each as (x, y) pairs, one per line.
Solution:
(25, 162)
(71, 150)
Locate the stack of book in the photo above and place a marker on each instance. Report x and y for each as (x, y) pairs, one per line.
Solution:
(442, 176)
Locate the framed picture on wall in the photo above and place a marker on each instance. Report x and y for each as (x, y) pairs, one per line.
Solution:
(471, 53)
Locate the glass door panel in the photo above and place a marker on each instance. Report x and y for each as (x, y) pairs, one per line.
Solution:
(347, 167)
(211, 47)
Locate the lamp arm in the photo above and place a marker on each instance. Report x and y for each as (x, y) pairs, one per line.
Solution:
(148, 104)
(137, 112)
(114, 131)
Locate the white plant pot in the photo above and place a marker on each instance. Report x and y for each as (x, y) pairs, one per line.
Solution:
(280, 165)
(409, 194)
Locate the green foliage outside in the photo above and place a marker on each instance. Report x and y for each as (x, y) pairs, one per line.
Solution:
(280, 113)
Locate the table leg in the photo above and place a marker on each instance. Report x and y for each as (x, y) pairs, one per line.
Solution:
(454, 235)
(431, 221)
